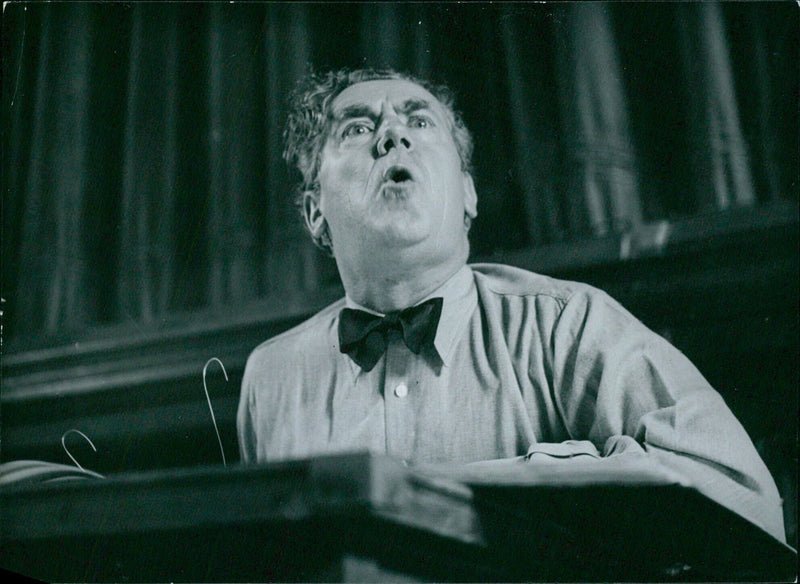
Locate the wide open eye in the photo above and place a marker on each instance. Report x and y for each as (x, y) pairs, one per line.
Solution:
(418, 121)
(356, 129)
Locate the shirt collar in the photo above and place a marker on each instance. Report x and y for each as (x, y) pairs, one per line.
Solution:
(460, 298)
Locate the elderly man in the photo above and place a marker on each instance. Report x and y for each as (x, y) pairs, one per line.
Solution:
(429, 359)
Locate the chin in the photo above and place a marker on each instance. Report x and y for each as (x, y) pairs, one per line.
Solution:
(401, 240)
(400, 227)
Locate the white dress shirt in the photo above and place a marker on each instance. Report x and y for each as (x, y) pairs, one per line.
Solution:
(523, 365)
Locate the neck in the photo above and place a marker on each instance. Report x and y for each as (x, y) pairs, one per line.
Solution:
(395, 285)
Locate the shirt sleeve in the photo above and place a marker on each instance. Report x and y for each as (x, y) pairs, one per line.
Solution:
(616, 382)
(245, 419)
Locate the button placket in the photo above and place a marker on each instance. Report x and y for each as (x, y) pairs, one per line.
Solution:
(398, 411)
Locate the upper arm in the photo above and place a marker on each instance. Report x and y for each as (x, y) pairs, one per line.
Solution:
(618, 378)
(245, 418)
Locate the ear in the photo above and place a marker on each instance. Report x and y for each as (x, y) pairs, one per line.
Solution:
(312, 213)
(470, 196)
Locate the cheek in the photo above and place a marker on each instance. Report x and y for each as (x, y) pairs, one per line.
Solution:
(351, 176)
(341, 191)
(342, 168)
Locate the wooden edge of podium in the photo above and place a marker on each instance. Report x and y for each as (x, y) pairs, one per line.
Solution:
(54, 530)
(366, 488)
(291, 490)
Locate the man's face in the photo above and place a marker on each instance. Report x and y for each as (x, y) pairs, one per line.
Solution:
(390, 173)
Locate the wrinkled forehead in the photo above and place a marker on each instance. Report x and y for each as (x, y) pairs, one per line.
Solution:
(370, 96)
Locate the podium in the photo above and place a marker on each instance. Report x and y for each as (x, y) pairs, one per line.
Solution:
(363, 517)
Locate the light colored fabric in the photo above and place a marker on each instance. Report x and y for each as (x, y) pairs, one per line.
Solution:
(521, 361)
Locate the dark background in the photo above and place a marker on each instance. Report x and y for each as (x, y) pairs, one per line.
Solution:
(148, 226)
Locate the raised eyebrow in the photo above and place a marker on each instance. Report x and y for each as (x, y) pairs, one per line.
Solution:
(364, 111)
(414, 105)
(353, 111)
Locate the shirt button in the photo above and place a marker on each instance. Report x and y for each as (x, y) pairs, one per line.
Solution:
(401, 390)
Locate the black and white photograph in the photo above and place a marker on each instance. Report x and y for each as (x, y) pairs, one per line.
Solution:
(399, 291)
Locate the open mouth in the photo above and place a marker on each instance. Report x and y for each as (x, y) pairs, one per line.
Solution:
(397, 175)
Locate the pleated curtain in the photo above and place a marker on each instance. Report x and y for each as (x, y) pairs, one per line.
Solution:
(143, 182)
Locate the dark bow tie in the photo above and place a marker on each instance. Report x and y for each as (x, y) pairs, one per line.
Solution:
(363, 335)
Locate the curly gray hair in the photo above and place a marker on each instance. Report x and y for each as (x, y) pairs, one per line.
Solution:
(309, 122)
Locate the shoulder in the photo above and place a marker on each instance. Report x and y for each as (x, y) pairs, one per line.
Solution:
(509, 281)
(311, 336)
(505, 290)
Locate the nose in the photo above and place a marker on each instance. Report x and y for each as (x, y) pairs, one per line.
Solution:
(394, 135)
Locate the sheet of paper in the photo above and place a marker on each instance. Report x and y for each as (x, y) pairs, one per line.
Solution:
(628, 469)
